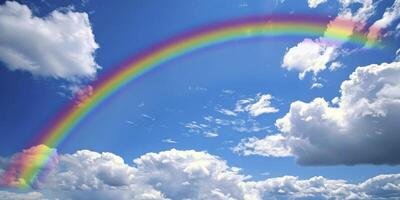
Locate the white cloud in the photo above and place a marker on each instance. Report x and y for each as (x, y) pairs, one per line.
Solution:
(361, 15)
(148, 117)
(257, 106)
(249, 126)
(271, 145)
(317, 85)
(5, 195)
(169, 140)
(207, 130)
(308, 56)
(91, 175)
(388, 184)
(397, 55)
(226, 112)
(335, 66)
(130, 122)
(315, 3)
(362, 128)
(226, 91)
(60, 45)
(188, 174)
(210, 134)
(32, 158)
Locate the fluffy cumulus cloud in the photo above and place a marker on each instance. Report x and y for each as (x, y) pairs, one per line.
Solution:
(308, 56)
(91, 175)
(60, 45)
(30, 158)
(361, 128)
(289, 187)
(187, 174)
(190, 175)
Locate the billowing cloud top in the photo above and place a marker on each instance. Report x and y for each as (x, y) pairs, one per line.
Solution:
(361, 128)
(176, 174)
(60, 45)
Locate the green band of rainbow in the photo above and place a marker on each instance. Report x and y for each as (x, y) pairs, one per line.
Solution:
(260, 26)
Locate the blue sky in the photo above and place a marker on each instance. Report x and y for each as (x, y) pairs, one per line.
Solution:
(207, 100)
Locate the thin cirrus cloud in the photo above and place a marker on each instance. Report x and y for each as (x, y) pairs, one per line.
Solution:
(169, 141)
(362, 128)
(241, 119)
(189, 174)
(60, 45)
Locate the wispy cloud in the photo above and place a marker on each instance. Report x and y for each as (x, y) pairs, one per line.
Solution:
(169, 140)
(210, 134)
(130, 122)
(148, 117)
(226, 91)
(226, 112)
(257, 106)
(240, 119)
(207, 130)
(197, 88)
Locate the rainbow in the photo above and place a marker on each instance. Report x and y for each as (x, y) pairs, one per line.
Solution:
(259, 26)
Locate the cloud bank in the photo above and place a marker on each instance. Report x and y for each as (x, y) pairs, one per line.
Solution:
(176, 174)
(362, 127)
